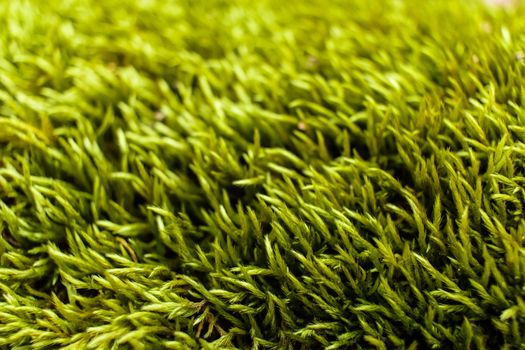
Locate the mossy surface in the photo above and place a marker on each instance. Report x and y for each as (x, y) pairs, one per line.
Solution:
(262, 174)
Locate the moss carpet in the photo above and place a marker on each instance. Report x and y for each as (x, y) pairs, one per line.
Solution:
(262, 174)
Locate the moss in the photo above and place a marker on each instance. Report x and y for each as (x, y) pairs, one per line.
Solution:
(262, 174)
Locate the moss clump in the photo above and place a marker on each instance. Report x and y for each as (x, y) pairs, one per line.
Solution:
(262, 174)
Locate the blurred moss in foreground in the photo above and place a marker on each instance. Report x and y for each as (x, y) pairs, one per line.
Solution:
(262, 174)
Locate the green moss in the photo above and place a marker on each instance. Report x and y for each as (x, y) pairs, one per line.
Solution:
(262, 174)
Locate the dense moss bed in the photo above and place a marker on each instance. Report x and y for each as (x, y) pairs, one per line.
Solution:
(262, 174)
